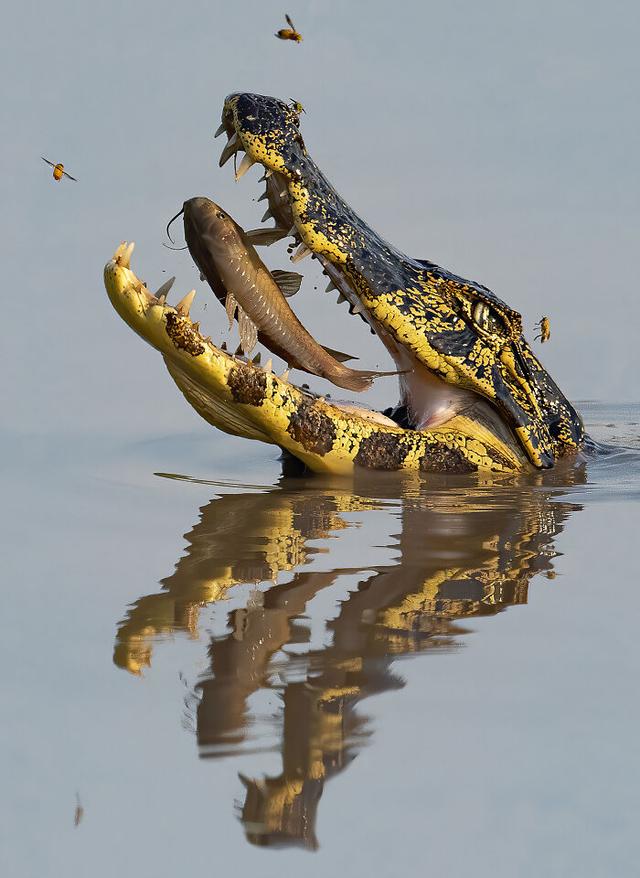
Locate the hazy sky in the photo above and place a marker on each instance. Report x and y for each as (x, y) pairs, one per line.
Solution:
(499, 139)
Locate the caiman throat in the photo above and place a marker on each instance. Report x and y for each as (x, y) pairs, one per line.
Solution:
(473, 396)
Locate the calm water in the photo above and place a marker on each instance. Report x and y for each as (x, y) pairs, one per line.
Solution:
(212, 666)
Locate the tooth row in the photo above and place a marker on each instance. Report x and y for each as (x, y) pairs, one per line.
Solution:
(183, 308)
(232, 146)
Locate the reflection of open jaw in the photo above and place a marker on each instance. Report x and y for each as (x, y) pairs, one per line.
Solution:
(491, 550)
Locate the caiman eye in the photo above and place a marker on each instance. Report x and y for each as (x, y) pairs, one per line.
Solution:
(486, 320)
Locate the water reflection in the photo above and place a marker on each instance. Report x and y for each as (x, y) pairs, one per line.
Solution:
(454, 550)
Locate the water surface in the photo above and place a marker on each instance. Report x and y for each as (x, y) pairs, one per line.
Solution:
(211, 664)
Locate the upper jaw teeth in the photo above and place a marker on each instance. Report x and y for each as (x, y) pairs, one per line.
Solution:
(231, 147)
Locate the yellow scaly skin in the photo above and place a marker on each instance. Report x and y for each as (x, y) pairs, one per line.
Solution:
(458, 330)
(246, 400)
(455, 330)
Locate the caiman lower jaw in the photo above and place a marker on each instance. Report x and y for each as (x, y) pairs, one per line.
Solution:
(247, 400)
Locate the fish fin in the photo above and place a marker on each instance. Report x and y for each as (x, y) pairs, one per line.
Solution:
(248, 331)
(361, 379)
(230, 306)
(288, 281)
(265, 237)
(338, 355)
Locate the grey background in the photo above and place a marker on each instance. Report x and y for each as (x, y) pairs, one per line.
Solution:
(499, 139)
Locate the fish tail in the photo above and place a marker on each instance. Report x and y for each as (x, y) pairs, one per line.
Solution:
(360, 379)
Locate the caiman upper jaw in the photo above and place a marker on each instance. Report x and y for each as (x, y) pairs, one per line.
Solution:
(457, 330)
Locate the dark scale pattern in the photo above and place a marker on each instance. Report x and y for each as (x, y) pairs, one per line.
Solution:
(458, 328)
(314, 430)
(248, 385)
(182, 335)
(441, 459)
(382, 451)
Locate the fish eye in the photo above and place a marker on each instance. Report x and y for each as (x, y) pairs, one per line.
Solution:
(220, 214)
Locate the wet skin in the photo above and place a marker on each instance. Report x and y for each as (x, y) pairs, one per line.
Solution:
(473, 396)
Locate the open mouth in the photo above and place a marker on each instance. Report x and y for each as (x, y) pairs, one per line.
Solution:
(245, 397)
(473, 396)
(426, 401)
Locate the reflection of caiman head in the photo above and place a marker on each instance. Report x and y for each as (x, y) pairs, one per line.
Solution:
(473, 394)
(463, 551)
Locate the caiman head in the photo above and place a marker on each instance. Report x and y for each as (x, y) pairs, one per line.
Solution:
(473, 394)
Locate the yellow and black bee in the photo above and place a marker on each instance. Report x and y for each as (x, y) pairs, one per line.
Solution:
(545, 329)
(58, 170)
(296, 106)
(289, 33)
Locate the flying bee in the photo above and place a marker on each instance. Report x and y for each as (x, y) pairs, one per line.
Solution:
(58, 170)
(289, 33)
(545, 330)
(77, 817)
(296, 106)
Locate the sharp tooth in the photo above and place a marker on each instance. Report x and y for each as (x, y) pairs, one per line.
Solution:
(340, 299)
(245, 164)
(282, 193)
(264, 196)
(184, 305)
(285, 375)
(123, 254)
(267, 215)
(223, 346)
(255, 360)
(230, 149)
(358, 308)
(268, 366)
(161, 292)
(220, 130)
(292, 231)
(300, 253)
(330, 286)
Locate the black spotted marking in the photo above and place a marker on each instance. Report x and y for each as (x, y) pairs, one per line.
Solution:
(441, 459)
(314, 430)
(182, 335)
(422, 299)
(247, 385)
(381, 451)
